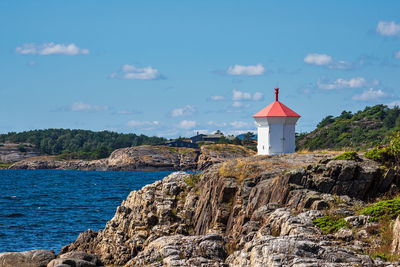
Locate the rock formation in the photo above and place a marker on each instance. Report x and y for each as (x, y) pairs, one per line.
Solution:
(32, 258)
(256, 211)
(144, 158)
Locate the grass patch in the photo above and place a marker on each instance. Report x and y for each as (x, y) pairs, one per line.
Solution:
(352, 155)
(240, 169)
(329, 224)
(385, 236)
(385, 209)
(5, 165)
(192, 179)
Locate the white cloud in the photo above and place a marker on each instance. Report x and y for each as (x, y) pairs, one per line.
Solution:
(318, 59)
(80, 106)
(243, 96)
(370, 94)
(217, 97)
(397, 55)
(130, 72)
(185, 111)
(340, 83)
(134, 123)
(187, 125)
(250, 70)
(257, 96)
(51, 49)
(394, 103)
(126, 112)
(387, 28)
(326, 61)
(237, 104)
(217, 124)
(239, 95)
(239, 124)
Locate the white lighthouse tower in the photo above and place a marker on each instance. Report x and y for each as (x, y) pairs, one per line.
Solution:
(276, 128)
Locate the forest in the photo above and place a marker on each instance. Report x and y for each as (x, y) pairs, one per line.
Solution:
(77, 144)
(364, 129)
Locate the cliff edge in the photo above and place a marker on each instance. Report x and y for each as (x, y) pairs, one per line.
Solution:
(249, 211)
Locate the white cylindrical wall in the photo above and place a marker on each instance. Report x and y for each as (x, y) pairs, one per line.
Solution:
(276, 135)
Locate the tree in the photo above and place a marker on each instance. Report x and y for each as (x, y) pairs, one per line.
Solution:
(219, 132)
(248, 138)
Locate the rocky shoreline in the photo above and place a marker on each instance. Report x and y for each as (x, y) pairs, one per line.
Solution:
(248, 211)
(144, 158)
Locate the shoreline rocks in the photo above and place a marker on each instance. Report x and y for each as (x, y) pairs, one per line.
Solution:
(144, 158)
(247, 211)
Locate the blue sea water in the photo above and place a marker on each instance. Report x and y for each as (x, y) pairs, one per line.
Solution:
(47, 209)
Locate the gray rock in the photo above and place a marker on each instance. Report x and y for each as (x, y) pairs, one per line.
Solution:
(344, 234)
(357, 221)
(80, 255)
(32, 258)
(362, 234)
(178, 250)
(70, 263)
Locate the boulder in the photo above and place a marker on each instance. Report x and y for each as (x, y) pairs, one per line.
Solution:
(344, 234)
(80, 255)
(178, 250)
(70, 263)
(32, 258)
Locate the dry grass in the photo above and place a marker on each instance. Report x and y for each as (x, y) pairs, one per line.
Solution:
(243, 168)
(385, 237)
(236, 149)
(323, 151)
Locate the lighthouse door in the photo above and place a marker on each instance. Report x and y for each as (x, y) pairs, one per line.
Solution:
(276, 139)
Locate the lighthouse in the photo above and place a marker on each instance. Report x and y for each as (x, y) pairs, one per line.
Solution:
(276, 128)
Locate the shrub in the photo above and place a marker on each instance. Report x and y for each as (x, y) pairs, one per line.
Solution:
(21, 148)
(329, 224)
(381, 256)
(348, 156)
(378, 154)
(383, 209)
(192, 179)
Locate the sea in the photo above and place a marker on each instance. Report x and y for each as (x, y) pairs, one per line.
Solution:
(47, 209)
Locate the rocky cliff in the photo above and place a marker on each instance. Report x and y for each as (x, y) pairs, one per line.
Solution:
(258, 211)
(144, 158)
(10, 152)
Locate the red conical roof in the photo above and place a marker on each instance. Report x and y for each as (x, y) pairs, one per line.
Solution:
(276, 109)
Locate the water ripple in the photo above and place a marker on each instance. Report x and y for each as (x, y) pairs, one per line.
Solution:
(47, 209)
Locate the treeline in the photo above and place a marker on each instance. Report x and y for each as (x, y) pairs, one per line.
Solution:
(83, 144)
(363, 129)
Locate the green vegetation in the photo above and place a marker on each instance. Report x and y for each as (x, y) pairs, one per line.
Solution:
(329, 224)
(379, 154)
(388, 155)
(364, 129)
(192, 179)
(82, 144)
(381, 256)
(386, 209)
(5, 165)
(348, 156)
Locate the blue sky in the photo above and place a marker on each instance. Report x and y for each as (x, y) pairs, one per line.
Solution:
(172, 68)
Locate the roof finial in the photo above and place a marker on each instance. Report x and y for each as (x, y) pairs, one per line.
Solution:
(276, 93)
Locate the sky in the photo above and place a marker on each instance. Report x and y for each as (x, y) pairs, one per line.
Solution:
(175, 68)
